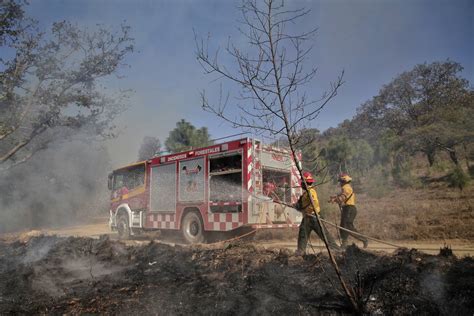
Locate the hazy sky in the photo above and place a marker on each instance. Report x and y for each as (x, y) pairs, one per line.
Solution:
(372, 40)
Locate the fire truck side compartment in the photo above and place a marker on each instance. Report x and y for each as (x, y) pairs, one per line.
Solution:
(225, 182)
(191, 180)
(163, 188)
(275, 166)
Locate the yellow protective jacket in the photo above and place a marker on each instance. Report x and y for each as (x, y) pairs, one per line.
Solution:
(304, 203)
(347, 195)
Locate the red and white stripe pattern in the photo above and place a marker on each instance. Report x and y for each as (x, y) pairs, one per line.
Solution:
(162, 221)
(225, 221)
(250, 170)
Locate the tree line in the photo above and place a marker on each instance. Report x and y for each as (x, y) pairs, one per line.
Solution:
(184, 136)
(426, 112)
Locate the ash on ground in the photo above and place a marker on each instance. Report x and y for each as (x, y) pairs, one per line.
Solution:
(49, 274)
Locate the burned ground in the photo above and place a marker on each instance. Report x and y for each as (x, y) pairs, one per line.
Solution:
(49, 274)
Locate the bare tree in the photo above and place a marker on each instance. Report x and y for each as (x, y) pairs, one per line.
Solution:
(272, 78)
(55, 80)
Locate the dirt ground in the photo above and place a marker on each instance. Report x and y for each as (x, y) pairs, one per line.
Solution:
(267, 239)
(81, 275)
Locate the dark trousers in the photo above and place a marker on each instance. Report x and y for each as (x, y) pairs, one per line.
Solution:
(308, 224)
(348, 214)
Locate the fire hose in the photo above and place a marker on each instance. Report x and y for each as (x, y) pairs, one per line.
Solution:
(359, 234)
(348, 230)
(314, 216)
(235, 238)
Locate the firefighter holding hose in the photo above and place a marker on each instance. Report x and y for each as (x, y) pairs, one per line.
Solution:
(309, 221)
(346, 201)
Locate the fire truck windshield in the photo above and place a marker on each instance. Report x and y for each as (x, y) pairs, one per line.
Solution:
(129, 178)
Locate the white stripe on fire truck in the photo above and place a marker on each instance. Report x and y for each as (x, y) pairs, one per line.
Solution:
(249, 167)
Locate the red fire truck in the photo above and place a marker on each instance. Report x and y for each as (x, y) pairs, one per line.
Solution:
(219, 188)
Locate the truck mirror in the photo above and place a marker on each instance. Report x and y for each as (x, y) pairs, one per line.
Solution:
(109, 182)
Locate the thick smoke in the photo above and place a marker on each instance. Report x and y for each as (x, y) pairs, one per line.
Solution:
(61, 185)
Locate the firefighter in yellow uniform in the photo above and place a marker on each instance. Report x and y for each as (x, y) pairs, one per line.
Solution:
(346, 201)
(309, 221)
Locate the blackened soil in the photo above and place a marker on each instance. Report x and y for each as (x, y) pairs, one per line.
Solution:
(55, 275)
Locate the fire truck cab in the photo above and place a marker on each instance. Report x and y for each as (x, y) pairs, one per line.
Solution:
(223, 187)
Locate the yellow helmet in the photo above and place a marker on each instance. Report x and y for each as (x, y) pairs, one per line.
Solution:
(344, 178)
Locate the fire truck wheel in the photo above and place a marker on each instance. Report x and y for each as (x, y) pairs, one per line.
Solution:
(192, 228)
(123, 228)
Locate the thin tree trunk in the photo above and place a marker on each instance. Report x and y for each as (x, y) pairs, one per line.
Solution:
(466, 156)
(453, 156)
(431, 157)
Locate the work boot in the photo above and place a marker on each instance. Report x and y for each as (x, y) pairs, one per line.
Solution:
(299, 253)
(344, 244)
(366, 243)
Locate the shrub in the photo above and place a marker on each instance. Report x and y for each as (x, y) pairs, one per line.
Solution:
(377, 183)
(471, 171)
(458, 178)
(403, 177)
(441, 165)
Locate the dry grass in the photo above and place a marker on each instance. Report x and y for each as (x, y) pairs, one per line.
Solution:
(435, 212)
(431, 212)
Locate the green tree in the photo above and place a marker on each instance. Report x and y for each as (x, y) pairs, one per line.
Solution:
(343, 154)
(430, 108)
(185, 136)
(362, 157)
(384, 148)
(339, 152)
(11, 17)
(150, 147)
(458, 178)
(402, 170)
(52, 81)
(308, 141)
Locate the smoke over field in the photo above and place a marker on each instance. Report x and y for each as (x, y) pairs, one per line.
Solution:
(61, 185)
